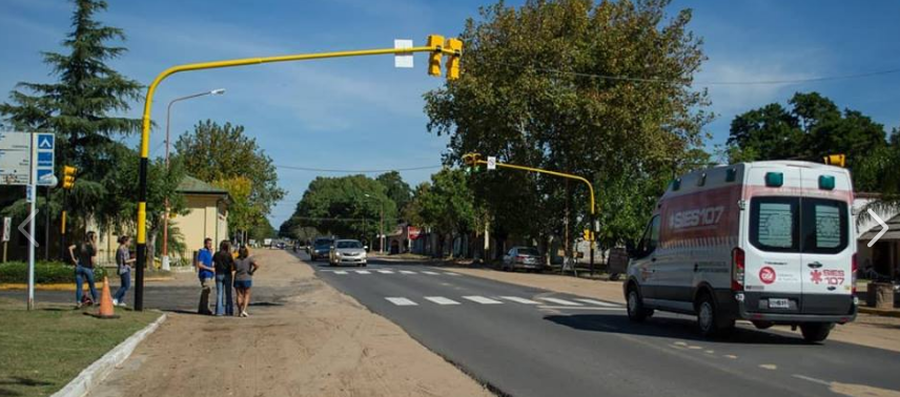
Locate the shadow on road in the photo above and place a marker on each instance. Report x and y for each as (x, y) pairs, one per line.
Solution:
(666, 327)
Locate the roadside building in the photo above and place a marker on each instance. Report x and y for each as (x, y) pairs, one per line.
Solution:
(884, 256)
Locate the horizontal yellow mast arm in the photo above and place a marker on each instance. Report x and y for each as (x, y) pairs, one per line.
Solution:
(554, 173)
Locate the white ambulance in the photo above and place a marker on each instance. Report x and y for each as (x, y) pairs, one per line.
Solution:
(770, 242)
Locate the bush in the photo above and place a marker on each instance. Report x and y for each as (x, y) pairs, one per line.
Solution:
(44, 273)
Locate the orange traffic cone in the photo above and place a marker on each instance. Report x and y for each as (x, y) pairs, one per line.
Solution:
(106, 304)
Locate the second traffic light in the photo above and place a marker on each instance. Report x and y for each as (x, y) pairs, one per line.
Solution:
(434, 58)
(839, 160)
(69, 177)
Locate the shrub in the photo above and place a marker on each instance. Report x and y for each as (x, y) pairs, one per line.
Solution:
(44, 273)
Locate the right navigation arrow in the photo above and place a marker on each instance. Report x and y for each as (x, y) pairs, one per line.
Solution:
(884, 228)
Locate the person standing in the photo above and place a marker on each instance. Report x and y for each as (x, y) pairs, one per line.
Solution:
(224, 279)
(84, 266)
(244, 267)
(123, 268)
(206, 272)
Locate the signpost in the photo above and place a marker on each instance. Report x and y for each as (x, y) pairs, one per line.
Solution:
(7, 228)
(27, 159)
(491, 163)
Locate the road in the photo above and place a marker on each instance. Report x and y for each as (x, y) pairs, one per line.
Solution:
(523, 341)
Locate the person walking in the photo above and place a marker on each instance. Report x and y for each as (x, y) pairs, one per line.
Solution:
(206, 272)
(84, 266)
(123, 268)
(244, 267)
(224, 279)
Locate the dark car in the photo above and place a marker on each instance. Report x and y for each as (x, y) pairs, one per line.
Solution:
(321, 248)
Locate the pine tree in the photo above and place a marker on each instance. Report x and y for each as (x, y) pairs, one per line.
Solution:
(83, 106)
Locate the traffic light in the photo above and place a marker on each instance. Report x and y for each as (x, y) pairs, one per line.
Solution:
(453, 62)
(839, 160)
(69, 177)
(434, 59)
(588, 236)
(471, 162)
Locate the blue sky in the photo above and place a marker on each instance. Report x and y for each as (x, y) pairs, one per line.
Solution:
(362, 113)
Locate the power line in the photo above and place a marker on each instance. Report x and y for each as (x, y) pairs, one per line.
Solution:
(725, 82)
(310, 169)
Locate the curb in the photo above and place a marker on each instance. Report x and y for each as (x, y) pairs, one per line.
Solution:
(879, 312)
(100, 369)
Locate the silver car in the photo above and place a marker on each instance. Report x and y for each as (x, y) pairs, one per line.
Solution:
(522, 258)
(347, 252)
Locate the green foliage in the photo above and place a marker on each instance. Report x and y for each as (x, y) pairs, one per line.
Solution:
(525, 96)
(224, 154)
(339, 206)
(44, 272)
(396, 188)
(446, 204)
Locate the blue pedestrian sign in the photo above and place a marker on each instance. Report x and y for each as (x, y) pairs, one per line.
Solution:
(43, 148)
(45, 142)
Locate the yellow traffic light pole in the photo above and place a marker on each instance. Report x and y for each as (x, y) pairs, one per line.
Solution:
(476, 159)
(436, 46)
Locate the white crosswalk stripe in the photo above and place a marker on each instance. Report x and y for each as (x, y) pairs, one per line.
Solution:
(452, 274)
(385, 272)
(431, 273)
(560, 301)
(406, 272)
(340, 272)
(402, 302)
(598, 303)
(482, 300)
(441, 300)
(363, 272)
(520, 300)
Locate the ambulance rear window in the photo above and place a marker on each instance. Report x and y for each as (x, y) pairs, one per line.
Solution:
(824, 226)
(773, 223)
(793, 224)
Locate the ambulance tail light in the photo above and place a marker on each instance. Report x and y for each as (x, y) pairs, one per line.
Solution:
(854, 267)
(737, 269)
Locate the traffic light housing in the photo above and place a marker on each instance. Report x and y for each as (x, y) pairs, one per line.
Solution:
(839, 160)
(454, 45)
(588, 235)
(69, 177)
(471, 161)
(434, 58)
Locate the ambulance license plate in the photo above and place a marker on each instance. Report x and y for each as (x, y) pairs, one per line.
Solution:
(779, 303)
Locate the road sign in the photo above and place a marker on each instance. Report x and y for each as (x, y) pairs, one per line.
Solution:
(15, 158)
(492, 163)
(7, 228)
(403, 60)
(43, 153)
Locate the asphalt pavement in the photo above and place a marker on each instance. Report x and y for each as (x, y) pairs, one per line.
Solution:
(524, 341)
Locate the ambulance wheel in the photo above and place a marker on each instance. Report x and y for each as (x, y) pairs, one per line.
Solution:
(636, 311)
(816, 332)
(709, 321)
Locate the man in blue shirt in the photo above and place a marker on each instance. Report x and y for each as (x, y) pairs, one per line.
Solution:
(207, 273)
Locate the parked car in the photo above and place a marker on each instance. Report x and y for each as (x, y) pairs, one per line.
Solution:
(321, 248)
(770, 242)
(527, 258)
(348, 252)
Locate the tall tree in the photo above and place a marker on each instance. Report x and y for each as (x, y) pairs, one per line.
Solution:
(593, 89)
(84, 104)
(341, 206)
(224, 154)
(398, 190)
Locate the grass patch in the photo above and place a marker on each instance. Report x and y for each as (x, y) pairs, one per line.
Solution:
(44, 273)
(42, 350)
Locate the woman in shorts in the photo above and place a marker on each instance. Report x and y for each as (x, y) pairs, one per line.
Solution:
(244, 267)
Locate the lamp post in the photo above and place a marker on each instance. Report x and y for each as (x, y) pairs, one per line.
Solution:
(165, 247)
(381, 225)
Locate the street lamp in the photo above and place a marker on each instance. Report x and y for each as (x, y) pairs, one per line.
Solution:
(165, 247)
(381, 226)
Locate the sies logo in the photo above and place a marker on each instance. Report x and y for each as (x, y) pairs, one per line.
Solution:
(767, 275)
(829, 277)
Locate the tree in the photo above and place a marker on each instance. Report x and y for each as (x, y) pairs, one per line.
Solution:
(531, 93)
(447, 205)
(397, 189)
(226, 156)
(339, 206)
(81, 107)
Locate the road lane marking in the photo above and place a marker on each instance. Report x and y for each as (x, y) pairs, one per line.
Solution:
(402, 302)
(431, 273)
(406, 272)
(441, 300)
(731, 356)
(598, 303)
(811, 379)
(340, 272)
(611, 309)
(771, 367)
(560, 301)
(363, 272)
(385, 272)
(451, 274)
(482, 300)
(520, 300)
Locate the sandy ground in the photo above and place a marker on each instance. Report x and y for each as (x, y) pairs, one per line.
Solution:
(313, 342)
(867, 330)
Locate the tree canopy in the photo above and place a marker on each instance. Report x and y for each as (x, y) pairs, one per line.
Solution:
(348, 206)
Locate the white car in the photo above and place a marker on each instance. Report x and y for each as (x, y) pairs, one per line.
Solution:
(348, 252)
(770, 242)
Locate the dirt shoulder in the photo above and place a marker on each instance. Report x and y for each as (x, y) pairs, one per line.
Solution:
(313, 342)
(867, 330)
